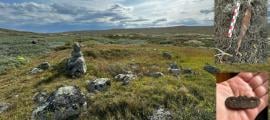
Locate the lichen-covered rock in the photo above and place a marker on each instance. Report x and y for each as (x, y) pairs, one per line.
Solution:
(40, 97)
(76, 65)
(64, 103)
(4, 107)
(99, 84)
(125, 78)
(161, 114)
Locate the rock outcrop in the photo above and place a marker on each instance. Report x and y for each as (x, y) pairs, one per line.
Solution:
(65, 103)
(76, 65)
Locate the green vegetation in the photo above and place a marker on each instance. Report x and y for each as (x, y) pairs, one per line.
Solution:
(108, 53)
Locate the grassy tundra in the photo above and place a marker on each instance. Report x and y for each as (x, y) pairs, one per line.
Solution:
(108, 53)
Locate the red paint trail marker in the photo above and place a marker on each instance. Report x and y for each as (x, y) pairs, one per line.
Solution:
(233, 21)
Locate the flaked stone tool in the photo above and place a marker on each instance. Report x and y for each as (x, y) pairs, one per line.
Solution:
(242, 102)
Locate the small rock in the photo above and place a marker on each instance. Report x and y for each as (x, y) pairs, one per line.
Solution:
(211, 69)
(99, 84)
(4, 107)
(188, 71)
(34, 42)
(125, 78)
(167, 55)
(44, 66)
(36, 70)
(156, 74)
(65, 103)
(183, 90)
(40, 97)
(161, 114)
(174, 69)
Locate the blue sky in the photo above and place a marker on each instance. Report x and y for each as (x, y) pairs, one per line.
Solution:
(71, 15)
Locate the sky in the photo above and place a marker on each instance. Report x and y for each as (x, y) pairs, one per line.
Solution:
(72, 15)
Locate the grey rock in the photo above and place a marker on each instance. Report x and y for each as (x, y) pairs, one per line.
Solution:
(44, 65)
(211, 69)
(99, 84)
(40, 97)
(4, 107)
(188, 71)
(36, 70)
(76, 65)
(167, 55)
(125, 78)
(65, 103)
(161, 114)
(174, 69)
(156, 74)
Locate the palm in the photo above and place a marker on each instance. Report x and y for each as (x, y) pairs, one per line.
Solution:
(243, 84)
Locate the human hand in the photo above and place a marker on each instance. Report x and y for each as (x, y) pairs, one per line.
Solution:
(244, 83)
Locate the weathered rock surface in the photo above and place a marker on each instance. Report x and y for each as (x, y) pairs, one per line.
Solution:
(76, 65)
(161, 114)
(211, 69)
(40, 97)
(125, 78)
(64, 103)
(99, 84)
(4, 107)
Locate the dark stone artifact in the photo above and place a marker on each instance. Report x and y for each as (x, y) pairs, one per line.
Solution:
(242, 102)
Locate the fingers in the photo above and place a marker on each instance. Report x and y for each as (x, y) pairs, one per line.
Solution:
(262, 90)
(264, 102)
(258, 80)
(246, 76)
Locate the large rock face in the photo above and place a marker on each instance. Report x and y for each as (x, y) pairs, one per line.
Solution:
(64, 103)
(76, 64)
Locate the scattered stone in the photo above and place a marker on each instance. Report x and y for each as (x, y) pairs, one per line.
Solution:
(156, 74)
(161, 114)
(36, 70)
(99, 84)
(211, 69)
(188, 71)
(76, 65)
(40, 97)
(65, 103)
(34, 42)
(125, 78)
(40, 68)
(174, 69)
(167, 55)
(44, 65)
(4, 107)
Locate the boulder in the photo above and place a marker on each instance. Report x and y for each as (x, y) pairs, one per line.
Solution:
(167, 55)
(99, 84)
(161, 114)
(156, 74)
(76, 65)
(65, 103)
(40, 97)
(211, 69)
(125, 78)
(4, 107)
